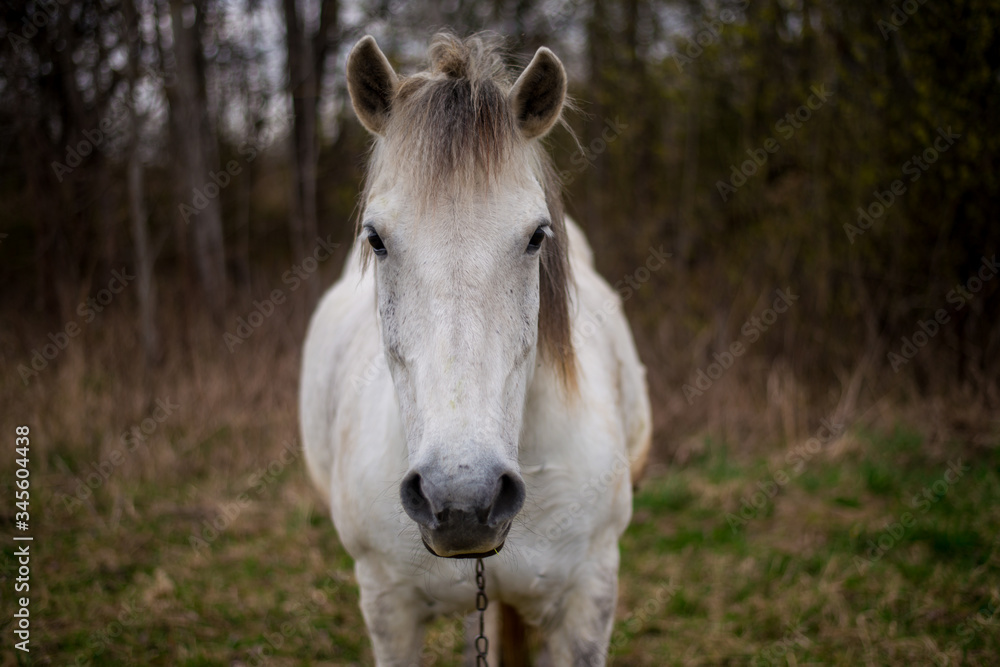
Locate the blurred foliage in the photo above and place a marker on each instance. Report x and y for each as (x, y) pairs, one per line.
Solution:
(675, 97)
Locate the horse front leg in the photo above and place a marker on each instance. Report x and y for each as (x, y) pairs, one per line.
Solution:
(579, 633)
(394, 615)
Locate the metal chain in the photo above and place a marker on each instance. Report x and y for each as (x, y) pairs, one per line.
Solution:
(482, 643)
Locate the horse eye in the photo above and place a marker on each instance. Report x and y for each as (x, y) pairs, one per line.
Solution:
(376, 243)
(535, 242)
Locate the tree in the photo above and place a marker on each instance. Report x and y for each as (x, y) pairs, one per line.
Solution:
(196, 151)
(307, 55)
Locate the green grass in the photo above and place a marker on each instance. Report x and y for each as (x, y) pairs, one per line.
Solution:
(118, 581)
(796, 579)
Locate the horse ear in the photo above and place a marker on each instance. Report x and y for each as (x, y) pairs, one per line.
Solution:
(538, 94)
(372, 83)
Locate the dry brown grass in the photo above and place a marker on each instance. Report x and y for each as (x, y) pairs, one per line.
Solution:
(129, 541)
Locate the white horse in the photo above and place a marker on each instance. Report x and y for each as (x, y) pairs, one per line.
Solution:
(480, 376)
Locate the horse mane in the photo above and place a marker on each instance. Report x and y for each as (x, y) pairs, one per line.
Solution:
(454, 122)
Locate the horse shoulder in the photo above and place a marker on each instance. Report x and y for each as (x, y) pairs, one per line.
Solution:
(339, 358)
(600, 324)
(580, 253)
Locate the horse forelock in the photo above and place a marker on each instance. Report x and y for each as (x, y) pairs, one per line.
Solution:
(452, 129)
(453, 121)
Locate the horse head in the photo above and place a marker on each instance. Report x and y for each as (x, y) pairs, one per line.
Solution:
(462, 215)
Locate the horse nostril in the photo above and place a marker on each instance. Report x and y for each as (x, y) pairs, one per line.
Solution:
(415, 503)
(509, 500)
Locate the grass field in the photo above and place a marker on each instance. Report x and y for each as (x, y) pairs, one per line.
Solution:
(174, 525)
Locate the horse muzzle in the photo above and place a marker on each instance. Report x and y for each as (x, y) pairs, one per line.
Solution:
(463, 516)
(451, 548)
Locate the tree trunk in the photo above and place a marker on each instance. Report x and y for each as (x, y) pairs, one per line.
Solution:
(145, 287)
(195, 141)
(302, 89)
(306, 58)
